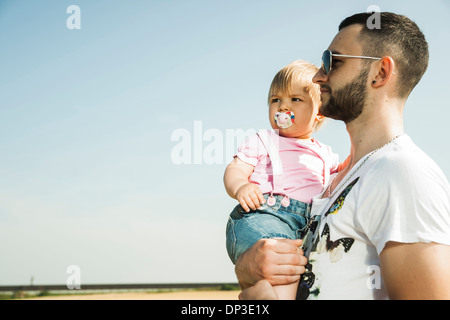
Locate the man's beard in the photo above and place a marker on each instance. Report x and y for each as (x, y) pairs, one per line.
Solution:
(347, 103)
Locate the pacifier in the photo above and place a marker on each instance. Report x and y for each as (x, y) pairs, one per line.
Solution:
(284, 119)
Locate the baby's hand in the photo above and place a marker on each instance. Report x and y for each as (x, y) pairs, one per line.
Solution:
(250, 197)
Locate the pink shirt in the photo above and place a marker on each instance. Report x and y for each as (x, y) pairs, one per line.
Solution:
(307, 165)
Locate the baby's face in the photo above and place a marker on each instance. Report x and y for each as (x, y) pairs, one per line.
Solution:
(298, 102)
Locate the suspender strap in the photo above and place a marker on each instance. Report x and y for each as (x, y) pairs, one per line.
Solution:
(277, 167)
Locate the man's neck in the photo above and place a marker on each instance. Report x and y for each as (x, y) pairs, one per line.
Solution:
(371, 131)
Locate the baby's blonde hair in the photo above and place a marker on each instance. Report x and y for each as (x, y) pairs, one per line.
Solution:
(299, 71)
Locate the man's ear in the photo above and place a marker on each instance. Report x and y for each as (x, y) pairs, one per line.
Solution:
(386, 69)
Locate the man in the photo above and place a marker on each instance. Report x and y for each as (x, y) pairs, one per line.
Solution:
(382, 228)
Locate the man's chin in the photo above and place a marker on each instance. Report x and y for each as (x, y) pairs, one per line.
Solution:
(324, 108)
(330, 112)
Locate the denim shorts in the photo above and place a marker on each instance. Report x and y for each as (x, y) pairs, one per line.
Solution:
(244, 229)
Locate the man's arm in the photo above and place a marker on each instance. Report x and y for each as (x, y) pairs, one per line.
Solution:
(416, 270)
(279, 261)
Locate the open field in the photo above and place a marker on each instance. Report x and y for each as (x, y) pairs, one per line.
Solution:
(178, 295)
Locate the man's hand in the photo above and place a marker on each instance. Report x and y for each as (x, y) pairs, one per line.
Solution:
(279, 261)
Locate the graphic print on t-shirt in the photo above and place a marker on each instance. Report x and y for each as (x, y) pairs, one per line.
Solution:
(323, 244)
(335, 248)
(338, 203)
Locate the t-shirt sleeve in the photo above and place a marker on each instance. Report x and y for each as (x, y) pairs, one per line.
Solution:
(251, 150)
(404, 204)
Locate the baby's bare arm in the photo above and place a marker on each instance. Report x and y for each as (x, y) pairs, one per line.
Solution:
(236, 183)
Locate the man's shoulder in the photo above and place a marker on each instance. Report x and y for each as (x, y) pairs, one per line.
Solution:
(405, 165)
(403, 157)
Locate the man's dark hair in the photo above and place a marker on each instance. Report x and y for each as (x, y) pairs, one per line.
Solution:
(399, 38)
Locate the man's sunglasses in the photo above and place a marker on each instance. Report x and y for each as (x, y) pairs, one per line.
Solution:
(327, 59)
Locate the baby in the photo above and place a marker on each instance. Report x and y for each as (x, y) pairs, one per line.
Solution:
(274, 175)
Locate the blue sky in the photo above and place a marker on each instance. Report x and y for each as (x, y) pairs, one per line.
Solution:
(87, 119)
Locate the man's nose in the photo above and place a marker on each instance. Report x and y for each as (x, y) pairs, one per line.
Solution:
(320, 77)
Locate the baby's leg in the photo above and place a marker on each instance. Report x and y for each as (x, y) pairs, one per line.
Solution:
(286, 292)
(262, 290)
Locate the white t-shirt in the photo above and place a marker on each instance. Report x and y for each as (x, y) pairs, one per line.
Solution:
(398, 194)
